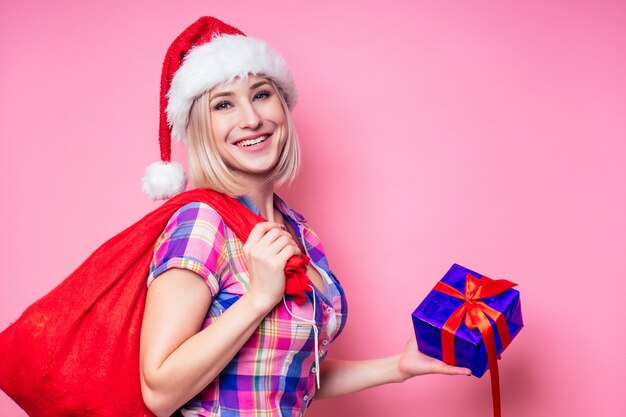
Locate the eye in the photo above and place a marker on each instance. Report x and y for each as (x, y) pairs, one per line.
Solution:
(262, 95)
(222, 105)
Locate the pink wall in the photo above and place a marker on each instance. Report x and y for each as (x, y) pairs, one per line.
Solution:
(488, 135)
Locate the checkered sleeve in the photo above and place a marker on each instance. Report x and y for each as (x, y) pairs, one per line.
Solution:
(193, 239)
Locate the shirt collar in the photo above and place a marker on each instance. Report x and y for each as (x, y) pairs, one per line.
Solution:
(245, 200)
(280, 204)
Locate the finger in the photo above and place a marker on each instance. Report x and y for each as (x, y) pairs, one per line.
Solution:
(279, 245)
(446, 369)
(289, 251)
(281, 242)
(261, 230)
(272, 236)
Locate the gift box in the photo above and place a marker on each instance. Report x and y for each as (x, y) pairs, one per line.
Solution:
(463, 298)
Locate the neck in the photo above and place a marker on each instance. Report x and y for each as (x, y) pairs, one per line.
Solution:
(262, 195)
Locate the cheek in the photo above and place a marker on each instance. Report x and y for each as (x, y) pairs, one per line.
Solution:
(273, 110)
(221, 125)
(219, 132)
(281, 118)
(281, 126)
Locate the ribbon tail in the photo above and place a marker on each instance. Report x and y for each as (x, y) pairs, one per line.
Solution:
(500, 320)
(447, 334)
(490, 345)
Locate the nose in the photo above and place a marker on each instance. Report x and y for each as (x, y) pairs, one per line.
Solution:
(249, 117)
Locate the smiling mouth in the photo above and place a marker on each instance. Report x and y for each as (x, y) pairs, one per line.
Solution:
(252, 142)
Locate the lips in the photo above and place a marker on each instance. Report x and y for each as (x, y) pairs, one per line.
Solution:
(252, 142)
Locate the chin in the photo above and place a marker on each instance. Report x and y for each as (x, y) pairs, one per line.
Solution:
(256, 171)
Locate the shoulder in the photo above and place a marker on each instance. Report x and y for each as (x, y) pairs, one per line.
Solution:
(193, 239)
(194, 225)
(195, 214)
(197, 210)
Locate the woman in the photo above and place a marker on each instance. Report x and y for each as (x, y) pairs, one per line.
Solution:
(219, 336)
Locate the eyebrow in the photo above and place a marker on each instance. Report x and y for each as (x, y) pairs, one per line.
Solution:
(230, 93)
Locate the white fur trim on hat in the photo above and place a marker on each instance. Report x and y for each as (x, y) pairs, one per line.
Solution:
(219, 61)
(163, 180)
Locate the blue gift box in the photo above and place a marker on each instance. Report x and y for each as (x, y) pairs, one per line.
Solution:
(469, 349)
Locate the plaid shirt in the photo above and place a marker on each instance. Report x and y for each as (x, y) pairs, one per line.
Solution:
(273, 374)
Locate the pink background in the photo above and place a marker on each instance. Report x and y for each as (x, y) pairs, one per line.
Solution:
(489, 134)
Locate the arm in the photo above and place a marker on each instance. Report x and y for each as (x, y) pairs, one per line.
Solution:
(341, 377)
(177, 359)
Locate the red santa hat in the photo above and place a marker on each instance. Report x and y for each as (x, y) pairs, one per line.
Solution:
(206, 54)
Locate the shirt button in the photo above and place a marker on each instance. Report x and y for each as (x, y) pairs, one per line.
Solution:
(314, 369)
(305, 398)
(324, 342)
(329, 310)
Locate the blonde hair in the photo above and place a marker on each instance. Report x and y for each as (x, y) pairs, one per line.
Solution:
(208, 170)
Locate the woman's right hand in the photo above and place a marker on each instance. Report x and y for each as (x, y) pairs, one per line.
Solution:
(266, 252)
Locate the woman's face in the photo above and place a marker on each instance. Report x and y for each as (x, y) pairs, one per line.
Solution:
(249, 125)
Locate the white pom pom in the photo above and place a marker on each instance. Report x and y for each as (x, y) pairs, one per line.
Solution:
(163, 180)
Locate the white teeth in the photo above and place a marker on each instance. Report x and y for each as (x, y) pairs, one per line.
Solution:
(251, 142)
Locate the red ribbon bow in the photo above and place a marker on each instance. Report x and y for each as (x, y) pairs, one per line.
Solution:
(475, 313)
(296, 281)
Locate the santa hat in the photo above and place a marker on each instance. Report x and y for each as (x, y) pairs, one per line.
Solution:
(206, 54)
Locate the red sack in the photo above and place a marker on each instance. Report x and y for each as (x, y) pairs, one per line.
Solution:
(75, 352)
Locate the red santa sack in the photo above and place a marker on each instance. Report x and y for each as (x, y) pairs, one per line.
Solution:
(75, 352)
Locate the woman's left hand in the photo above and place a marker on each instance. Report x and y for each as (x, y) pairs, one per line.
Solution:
(412, 362)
